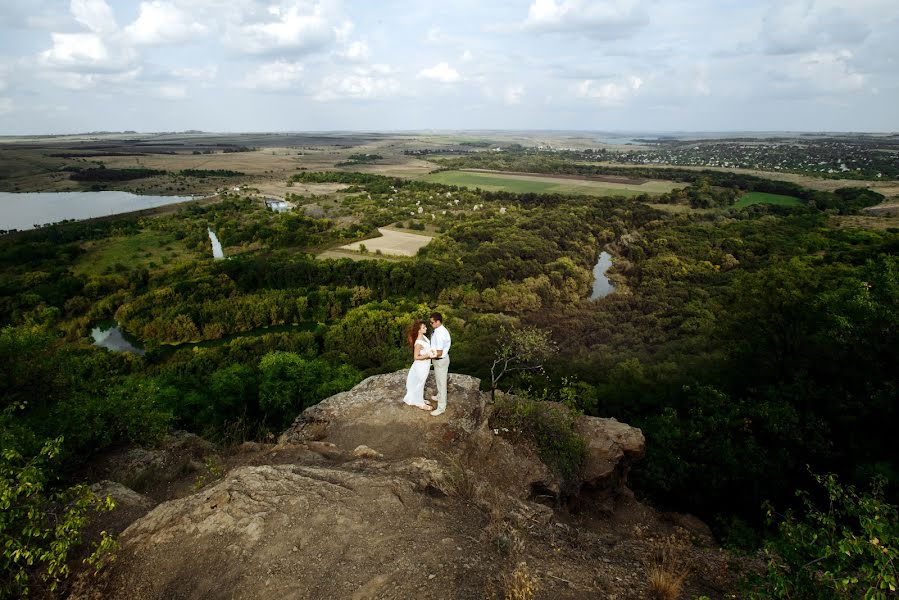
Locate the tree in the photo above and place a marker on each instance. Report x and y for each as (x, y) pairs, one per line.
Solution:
(518, 350)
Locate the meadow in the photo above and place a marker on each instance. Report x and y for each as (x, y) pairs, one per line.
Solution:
(523, 184)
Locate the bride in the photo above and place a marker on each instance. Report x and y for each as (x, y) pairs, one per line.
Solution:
(421, 365)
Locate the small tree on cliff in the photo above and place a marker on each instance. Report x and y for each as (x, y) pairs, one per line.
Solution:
(519, 349)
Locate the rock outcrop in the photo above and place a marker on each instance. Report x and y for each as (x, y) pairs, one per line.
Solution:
(364, 497)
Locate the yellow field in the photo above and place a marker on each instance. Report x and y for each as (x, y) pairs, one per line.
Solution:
(391, 243)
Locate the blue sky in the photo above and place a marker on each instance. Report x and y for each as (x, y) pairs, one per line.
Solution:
(620, 65)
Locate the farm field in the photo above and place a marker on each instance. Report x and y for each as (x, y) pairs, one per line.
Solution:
(539, 184)
(391, 243)
(751, 198)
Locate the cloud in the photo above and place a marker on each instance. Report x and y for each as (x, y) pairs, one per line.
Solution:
(277, 76)
(361, 84)
(796, 26)
(612, 19)
(96, 15)
(6, 105)
(207, 73)
(85, 52)
(161, 22)
(513, 94)
(84, 81)
(818, 72)
(611, 93)
(171, 92)
(356, 51)
(301, 28)
(441, 72)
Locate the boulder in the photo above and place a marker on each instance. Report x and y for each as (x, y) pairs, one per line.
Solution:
(291, 531)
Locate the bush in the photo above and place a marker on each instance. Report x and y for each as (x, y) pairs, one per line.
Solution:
(549, 426)
(39, 526)
(846, 550)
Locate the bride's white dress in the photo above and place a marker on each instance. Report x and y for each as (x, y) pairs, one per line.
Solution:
(418, 374)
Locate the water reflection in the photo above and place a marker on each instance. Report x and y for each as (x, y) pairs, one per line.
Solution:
(109, 336)
(601, 285)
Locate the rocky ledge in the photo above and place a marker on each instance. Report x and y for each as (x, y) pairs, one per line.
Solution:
(365, 497)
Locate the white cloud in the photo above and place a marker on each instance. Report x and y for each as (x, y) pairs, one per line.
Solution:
(794, 26)
(467, 56)
(356, 51)
(301, 28)
(361, 84)
(207, 73)
(85, 52)
(818, 72)
(612, 19)
(277, 76)
(84, 81)
(611, 93)
(96, 15)
(513, 94)
(6, 106)
(171, 92)
(162, 22)
(441, 72)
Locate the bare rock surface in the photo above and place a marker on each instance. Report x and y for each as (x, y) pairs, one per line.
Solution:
(365, 497)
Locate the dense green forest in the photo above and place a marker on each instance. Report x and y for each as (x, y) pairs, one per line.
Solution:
(751, 346)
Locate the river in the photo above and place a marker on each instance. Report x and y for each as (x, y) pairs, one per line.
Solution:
(216, 245)
(25, 210)
(602, 287)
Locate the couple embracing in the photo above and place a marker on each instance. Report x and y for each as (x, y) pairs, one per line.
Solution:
(424, 352)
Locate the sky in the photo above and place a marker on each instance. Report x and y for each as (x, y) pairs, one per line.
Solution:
(69, 66)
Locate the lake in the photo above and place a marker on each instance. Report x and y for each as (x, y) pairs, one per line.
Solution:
(601, 285)
(27, 209)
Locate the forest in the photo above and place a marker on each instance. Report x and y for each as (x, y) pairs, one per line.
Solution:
(757, 348)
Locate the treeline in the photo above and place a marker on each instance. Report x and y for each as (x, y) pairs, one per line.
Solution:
(102, 174)
(844, 200)
(210, 173)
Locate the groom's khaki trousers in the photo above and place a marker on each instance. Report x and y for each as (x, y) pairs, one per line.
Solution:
(441, 370)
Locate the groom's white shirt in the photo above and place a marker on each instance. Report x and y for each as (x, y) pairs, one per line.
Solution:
(440, 340)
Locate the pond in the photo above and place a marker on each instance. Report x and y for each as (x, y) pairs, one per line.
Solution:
(25, 210)
(108, 335)
(602, 287)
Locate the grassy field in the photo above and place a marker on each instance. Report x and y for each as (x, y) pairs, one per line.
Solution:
(751, 198)
(133, 251)
(548, 185)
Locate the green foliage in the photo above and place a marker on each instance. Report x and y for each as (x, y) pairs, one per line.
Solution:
(550, 427)
(40, 527)
(519, 349)
(845, 546)
(290, 383)
(211, 173)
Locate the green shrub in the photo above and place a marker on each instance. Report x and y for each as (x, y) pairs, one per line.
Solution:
(39, 526)
(550, 427)
(846, 550)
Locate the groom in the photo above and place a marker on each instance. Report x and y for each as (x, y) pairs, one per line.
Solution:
(440, 341)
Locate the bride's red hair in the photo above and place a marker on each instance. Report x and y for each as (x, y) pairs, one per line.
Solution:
(412, 334)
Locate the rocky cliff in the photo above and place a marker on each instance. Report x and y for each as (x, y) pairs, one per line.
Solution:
(365, 497)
